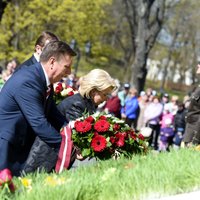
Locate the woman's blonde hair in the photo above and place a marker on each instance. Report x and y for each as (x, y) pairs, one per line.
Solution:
(96, 79)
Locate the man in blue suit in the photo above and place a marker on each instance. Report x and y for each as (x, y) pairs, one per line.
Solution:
(27, 109)
(40, 43)
(44, 38)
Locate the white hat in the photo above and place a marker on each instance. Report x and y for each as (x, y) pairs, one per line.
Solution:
(126, 85)
(142, 93)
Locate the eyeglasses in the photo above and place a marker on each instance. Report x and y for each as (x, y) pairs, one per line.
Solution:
(105, 94)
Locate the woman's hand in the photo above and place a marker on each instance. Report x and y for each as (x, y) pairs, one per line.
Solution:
(78, 153)
(79, 156)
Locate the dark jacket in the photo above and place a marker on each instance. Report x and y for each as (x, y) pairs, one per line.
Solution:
(25, 113)
(192, 130)
(179, 119)
(32, 60)
(75, 106)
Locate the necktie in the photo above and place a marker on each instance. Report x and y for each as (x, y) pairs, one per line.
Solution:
(48, 92)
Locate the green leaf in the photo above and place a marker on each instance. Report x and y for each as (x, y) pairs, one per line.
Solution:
(85, 152)
(109, 144)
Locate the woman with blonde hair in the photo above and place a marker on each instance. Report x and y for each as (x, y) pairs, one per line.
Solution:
(95, 87)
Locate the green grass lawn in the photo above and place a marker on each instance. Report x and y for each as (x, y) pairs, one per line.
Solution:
(142, 177)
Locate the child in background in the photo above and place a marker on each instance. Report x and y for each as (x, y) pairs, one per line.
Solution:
(166, 135)
(166, 115)
(179, 125)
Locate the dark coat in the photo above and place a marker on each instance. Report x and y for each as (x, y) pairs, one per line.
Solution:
(32, 60)
(179, 119)
(25, 113)
(192, 130)
(74, 106)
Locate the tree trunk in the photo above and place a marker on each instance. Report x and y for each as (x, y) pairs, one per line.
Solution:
(3, 5)
(146, 22)
(138, 68)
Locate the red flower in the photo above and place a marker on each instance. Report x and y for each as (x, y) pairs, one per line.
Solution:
(141, 137)
(89, 119)
(5, 176)
(82, 127)
(116, 127)
(112, 139)
(98, 143)
(96, 133)
(101, 125)
(70, 93)
(103, 117)
(132, 134)
(58, 88)
(119, 139)
(125, 134)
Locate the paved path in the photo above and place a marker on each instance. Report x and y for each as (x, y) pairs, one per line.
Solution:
(186, 196)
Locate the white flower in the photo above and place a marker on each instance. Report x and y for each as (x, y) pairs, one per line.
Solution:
(96, 114)
(64, 85)
(65, 92)
(55, 85)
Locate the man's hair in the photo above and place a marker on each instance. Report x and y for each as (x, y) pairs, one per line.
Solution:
(56, 49)
(46, 35)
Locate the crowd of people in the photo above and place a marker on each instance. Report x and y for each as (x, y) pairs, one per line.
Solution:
(165, 115)
(29, 115)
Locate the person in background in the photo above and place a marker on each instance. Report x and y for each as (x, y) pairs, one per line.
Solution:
(40, 43)
(70, 80)
(166, 135)
(123, 94)
(166, 114)
(143, 102)
(130, 110)
(113, 105)
(173, 104)
(7, 73)
(179, 125)
(152, 116)
(25, 106)
(192, 131)
(165, 99)
(149, 91)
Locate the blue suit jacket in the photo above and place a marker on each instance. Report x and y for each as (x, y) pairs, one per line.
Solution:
(24, 114)
(32, 60)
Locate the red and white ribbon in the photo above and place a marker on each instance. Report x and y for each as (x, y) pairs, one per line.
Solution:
(65, 150)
